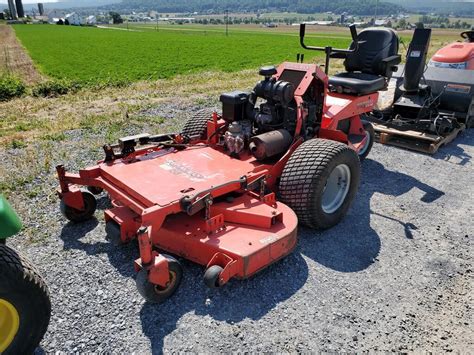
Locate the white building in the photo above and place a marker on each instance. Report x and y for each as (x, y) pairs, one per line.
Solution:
(55, 15)
(73, 19)
(91, 20)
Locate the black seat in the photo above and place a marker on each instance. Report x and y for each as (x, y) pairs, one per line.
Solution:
(369, 68)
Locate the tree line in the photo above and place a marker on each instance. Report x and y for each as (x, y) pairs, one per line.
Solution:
(360, 7)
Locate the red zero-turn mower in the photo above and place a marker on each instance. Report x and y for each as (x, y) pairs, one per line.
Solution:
(209, 193)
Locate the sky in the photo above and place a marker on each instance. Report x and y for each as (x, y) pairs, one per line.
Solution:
(36, 1)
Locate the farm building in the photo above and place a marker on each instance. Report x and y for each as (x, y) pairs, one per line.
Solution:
(73, 19)
(383, 22)
(91, 20)
(55, 15)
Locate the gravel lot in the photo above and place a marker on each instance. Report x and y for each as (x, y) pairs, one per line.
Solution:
(395, 275)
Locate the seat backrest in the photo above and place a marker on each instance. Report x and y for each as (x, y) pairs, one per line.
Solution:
(375, 45)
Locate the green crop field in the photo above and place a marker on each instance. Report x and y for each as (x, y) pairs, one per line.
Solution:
(87, 54)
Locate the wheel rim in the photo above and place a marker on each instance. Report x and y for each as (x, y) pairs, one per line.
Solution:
(160, 289)
(366, 145)
(9, 324)
(336, 189)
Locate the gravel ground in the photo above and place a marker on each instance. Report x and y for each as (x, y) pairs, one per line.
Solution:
(395, 275)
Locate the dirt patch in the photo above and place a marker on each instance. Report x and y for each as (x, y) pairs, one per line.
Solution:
(14, 59)
(29, 118)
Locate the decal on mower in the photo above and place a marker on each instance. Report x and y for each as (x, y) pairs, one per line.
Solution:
(366, 104)
(269, 240)
(178, 168)
(460, 89)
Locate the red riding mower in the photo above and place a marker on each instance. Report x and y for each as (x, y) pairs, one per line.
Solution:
(209, 193)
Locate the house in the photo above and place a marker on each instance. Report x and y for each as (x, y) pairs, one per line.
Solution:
(91, 20)
(73, 19)
(383, 22)
(55, 15)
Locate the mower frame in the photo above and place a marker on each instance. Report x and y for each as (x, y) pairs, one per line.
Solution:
(235, 222)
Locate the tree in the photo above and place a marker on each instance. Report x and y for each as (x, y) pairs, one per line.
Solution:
(402, 23)
(116, 18)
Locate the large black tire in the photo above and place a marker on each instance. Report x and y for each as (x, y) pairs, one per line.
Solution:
(22, 288)
(154, 293)
(76, 216)
(196, 126)
(470, 116)
(371, 135)
(304, 179)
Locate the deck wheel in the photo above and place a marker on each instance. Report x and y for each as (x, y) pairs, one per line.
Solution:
(212, 275)
(155, 293)
(95, 190)
(75, 215)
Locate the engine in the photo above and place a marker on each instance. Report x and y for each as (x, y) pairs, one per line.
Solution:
(263, 120)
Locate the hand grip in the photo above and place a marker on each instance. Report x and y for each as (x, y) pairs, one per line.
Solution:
(353, 32)
(302, 30)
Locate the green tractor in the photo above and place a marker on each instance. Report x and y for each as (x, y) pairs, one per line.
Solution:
(25, 307)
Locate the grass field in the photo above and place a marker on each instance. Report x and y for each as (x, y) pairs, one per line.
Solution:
(97, 55)
(93, 54)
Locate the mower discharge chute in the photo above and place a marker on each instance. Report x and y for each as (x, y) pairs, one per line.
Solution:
(209, 193)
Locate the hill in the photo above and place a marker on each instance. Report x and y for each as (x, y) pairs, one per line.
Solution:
(361, 7)
(462, 8)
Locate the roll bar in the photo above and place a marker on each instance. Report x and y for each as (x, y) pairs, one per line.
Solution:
(330, 50)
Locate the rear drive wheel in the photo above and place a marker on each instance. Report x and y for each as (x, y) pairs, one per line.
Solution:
(196, 126)
(157, 294)
(470, 116)
(211, 276)
(370, 134)
(320, 181)
(25, 307)
(75, 215)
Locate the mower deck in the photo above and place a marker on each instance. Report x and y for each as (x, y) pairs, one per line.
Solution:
(166, 176)
(253, 235)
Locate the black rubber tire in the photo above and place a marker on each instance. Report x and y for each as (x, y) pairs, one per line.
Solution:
(196, 126)
(304, 178)
(470, 116)
(156, 294)
(370, 129)
(112, 230)
(95, 190)
(23, 287)
(76, 216)
(211, 276)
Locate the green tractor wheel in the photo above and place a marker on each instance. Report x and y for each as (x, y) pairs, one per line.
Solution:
(25, 306)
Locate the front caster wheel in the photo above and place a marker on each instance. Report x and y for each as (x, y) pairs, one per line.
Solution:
(212, 275)
(75, 215)
(158, 294)
(95, 190)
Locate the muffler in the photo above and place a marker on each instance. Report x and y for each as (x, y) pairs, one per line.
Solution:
(269, 144)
